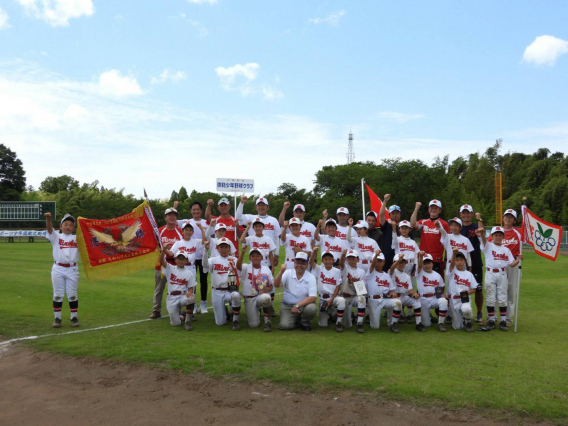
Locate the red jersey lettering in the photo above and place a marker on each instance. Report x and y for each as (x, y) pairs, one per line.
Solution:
(325, 280)
(464, 282)
(177, 281)
(67, 244)
(429, 283)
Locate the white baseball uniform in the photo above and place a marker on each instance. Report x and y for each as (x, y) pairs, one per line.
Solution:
(292, 242)
(349, 276)
(265, 245)
(408, 247)
(213, 247)
(308, 230)
(64, 272)
(366, 247)
(219, 268)
(426, 283)
(378, 286)
(497, 259)
(451, 241)
(341, 232)
(328, 280)
(254, 300)
(180, 280)
(271, 226)
(191, 248)
(403, 284)
(334, 245)
(197, 234)
(460, 281)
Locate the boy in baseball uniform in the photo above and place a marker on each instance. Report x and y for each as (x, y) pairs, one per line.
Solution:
(294, 242)
(497, 258)
(224, 272)
(329, 284)
(365, 246)
(325, 237)
(220, 231)
(461, 285)
(430, 286)
(181, 288)
(350, 274)
(64, 272)
(259, 241)
(257, 282)
(187, 245)
(405, 245)
(308, 229)
(455, 239)
(382, 295)
(405, 291)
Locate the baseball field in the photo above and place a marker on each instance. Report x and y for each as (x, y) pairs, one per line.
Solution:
(522, 375)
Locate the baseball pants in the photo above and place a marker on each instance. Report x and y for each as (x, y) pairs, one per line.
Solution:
(252, 306)
(176, 303)
(288, 320)
(459, 311)
(64, 281)
(432, 303)
(338, 303)
(377, 305)
(361, 307)
(513, 276)
(218, 299)
(413, 303)
(160, 285)
(496, 288)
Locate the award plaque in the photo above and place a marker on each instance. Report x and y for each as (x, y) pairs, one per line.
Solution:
(360, 288)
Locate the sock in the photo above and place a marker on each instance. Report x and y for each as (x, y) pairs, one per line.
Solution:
(73, 307)
(57, 309)
(418, 315)
(491, 313)
(442, 317)
(503, 313)
(189, 311)
(360, 315)
(236, 312)
(339, 315)
(395, 316)
(267, 312)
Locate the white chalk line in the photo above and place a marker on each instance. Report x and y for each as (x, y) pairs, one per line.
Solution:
(19, 339)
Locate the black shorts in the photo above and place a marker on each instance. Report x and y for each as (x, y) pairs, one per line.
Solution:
(478, 274)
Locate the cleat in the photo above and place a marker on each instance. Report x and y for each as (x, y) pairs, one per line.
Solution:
(394, 328)
(469, 327)
(188, 325)
(359, 328)
(339, 327)
(155, 315)
(441, 327)
(307, 327)
(479, 317)
(203, 307)
(491, 324)
(236, 326)
(503, 326)
(56, 323)
(267, 327)
(509, 322)
(420, 327)
(75, 322)
(409, 319)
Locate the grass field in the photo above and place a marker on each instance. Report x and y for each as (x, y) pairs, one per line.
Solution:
(524, 373)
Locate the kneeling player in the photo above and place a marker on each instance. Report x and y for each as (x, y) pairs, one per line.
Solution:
(350, 275)
(181, 288)
(382, 294)
(462, 283)
(405, 291)
(430, 285)
(257, 283)
(329, 284)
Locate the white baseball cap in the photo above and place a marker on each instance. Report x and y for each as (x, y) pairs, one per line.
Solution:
(361, 224)
(170, 210)
(301, 256)
(181, 253)
(223, 200)
(186, 224)
(497, 229)
(220, 226)
(294, 221)
(381, 256)
(262, 200)
(435, 203)
(372, 213)
(427, 257)
(67, 217)
(466, 207)
(257, 220)
(343, 210)
(330, 222)
(299, 206)
(327, 253)
(223, 241)
(352, 253)
(404, 223)
(255, 251)
(511, 212)
(394, 208)
(457, 220)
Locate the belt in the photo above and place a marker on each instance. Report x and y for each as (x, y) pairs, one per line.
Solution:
(65, 265)
(221, 288)
(175, 293)
(456, 297)
(399, 294)
(495, 270)
(364, 262)
(325, 296)
(377, 296)
(249, 297)
(428, 294)
(348, 295)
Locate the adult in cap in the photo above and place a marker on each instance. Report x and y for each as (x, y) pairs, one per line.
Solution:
(342, 222)
(299, 211)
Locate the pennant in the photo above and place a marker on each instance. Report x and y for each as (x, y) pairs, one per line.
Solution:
(376, 203)
(121, 246)
(544, 237)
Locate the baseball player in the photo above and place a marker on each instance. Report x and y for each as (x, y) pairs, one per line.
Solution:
(259, 241)
(257, 282)
(461, 284)
(308, 229)
(181, 288)
(325, 237)
(365, 246)
(223, 270)
(430, 234)
(350, 274)
(220, 232)
(187, 245)
(382, 295)
(455, 239)
(405, 291)
(342, 218)
(497, 258)
(64, 272)
(294, 242)
(387, 229)
(405, 245)
(232, 224)
(430, 286)
(329, 283)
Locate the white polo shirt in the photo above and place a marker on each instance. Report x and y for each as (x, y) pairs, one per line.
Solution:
(296, 290)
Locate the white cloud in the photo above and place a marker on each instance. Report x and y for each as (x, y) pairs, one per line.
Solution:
(113, 83)
(545, 50)
(399, 117)
(169, 76)
(270, 93)
(57, 13)
(4, 25)
(332, 19)
(231, 80)
(202, 1)
(199, 27)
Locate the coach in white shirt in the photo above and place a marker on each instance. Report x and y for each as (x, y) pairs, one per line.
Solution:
(298, 306)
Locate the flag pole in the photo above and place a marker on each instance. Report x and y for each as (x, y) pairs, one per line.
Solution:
(520, 268)
(363, 195)
(153, 222)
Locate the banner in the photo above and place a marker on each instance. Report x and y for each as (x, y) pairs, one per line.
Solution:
(376, 203)
(121, 246)
(543, 236)
(23, 233)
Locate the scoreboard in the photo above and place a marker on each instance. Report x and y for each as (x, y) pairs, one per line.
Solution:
(26, 210)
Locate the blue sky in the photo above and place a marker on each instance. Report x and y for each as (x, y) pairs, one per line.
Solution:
(187, 91)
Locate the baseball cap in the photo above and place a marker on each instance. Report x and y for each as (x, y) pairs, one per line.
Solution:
(257, 220)
(435, 203)
(262, 200)
(427, 257)
(466, 207)
(220, 226)
(394, 208)
(186, 224)
(330, 222)
(299, 206)
(67, 217)
(511, 212)
(381, 256)
(361, 224)
(404, 223)
(326, 253)
(352, 253)
(183, 254)
(456, 220)
(255, 251)
(223, 200)
(223, 241)
(497, 229)
(372, 213)
(301, 256)
(343, 210)
(170, 210)
(294, 221)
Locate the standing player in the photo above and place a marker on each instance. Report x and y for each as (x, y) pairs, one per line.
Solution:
(468, 230)
(294, 242)
(188, 245)
(461, 285)
(232, 224)
(169, 234)
(387, 229)
(405, 291)
(430, 286)
(325, 237)
(64, 272)
(220, 232)
(308, 229)
(365, 246)
(350, 274)
(329, 283)
(406, 246)
(455, 240)
(257, 282)
(259, 241)
(342, 218)
(430, 234)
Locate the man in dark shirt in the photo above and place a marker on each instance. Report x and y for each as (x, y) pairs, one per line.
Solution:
(374, 232)
(468, 230)
(386, 228)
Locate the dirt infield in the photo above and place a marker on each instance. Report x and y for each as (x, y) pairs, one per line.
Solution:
(47, 389)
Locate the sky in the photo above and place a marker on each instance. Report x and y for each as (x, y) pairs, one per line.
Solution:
(145, 94)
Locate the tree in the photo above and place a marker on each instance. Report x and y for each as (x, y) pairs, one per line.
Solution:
(182, 196)
(53, 185)
(12, 175)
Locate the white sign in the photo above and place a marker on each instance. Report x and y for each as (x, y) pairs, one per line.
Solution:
(235, 185)
(360, 288)
(23, 233)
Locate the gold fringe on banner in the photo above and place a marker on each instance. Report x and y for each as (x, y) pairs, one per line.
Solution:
(122, 267)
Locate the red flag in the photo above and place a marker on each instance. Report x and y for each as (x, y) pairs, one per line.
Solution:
(543, 236)
(376, 202)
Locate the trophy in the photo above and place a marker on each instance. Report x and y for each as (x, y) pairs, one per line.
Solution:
(233, 281)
